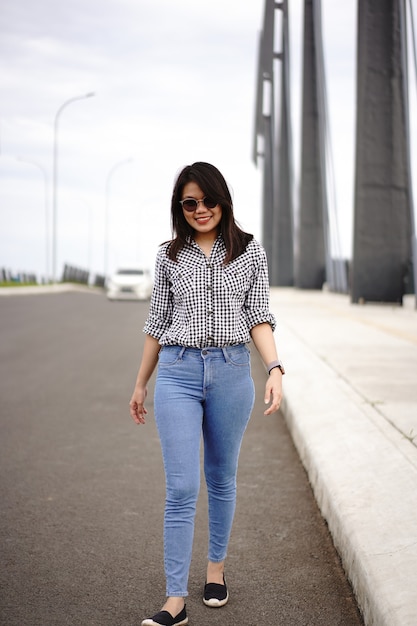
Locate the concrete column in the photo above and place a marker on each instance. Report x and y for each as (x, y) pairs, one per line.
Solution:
(310, 258)
(382, 213)
(264, 124)
(282, 265)
(268, 193)
(277, 204)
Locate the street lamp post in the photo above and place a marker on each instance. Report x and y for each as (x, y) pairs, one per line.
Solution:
(55, 181)
(45, 180)
(106, 213)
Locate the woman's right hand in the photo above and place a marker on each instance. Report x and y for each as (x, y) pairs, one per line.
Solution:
(136, 405)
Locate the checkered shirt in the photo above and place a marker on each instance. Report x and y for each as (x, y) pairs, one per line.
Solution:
(199, 302)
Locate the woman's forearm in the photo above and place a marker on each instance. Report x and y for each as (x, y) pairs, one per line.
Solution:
(263, 338)
(149, 360)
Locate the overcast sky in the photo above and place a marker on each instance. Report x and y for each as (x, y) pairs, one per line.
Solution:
(174, 83)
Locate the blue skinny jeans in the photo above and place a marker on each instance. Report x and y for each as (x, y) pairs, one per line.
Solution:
(206, 392)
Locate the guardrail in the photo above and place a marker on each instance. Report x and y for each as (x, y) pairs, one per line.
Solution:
(7, 276)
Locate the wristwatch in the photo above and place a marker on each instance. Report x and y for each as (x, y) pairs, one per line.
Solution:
(278, 364)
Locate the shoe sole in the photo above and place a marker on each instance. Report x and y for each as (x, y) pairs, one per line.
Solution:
(150, 622)
(215, 603)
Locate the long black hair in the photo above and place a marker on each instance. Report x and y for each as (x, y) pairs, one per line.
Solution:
(213, 185)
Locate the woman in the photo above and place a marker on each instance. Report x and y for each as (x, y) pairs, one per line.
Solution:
(210, 298)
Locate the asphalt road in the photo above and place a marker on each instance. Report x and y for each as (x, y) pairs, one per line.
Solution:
(82, 488)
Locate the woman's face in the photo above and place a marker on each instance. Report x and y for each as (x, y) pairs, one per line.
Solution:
(203, 221)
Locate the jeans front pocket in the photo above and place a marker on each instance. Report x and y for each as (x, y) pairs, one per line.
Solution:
(239, 355)
(169, 355)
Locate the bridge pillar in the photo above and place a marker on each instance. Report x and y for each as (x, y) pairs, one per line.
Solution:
(277, 214)
(310, 256)
(282, 265)
(382, 214)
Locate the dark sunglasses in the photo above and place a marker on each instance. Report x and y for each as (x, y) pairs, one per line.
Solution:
(191, 204)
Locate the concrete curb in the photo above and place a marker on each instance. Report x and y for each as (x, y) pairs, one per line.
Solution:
(364, 477)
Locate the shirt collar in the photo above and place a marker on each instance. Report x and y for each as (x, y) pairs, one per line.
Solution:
(218, 243)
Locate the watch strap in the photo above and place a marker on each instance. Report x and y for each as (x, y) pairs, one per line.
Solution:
(275, 364)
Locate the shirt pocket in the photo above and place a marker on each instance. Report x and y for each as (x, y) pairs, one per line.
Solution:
(237, 278)
(182, 283)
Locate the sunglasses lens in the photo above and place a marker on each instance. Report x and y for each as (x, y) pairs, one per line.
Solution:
(210, 204)
(190, 204)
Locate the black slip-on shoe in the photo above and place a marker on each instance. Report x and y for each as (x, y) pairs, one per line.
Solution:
(164, 618)
(215, 595)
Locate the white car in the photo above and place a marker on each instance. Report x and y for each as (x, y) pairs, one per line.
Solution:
(133, 283)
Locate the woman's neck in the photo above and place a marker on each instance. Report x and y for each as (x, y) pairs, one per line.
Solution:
(205, 241)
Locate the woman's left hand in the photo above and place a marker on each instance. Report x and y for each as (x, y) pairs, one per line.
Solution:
(273, 391)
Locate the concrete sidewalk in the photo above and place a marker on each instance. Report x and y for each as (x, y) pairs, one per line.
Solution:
(351, 406)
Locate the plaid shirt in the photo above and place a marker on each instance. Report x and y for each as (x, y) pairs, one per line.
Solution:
(199, 302)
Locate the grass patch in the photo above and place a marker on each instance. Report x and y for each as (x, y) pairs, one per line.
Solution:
(14, 283)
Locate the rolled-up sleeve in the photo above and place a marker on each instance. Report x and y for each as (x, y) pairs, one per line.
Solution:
(257, 298)
(160, 310)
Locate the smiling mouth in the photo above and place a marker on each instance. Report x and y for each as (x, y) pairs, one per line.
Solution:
(203, 219)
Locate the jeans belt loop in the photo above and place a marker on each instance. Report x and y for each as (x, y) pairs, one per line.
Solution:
(226, 354)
